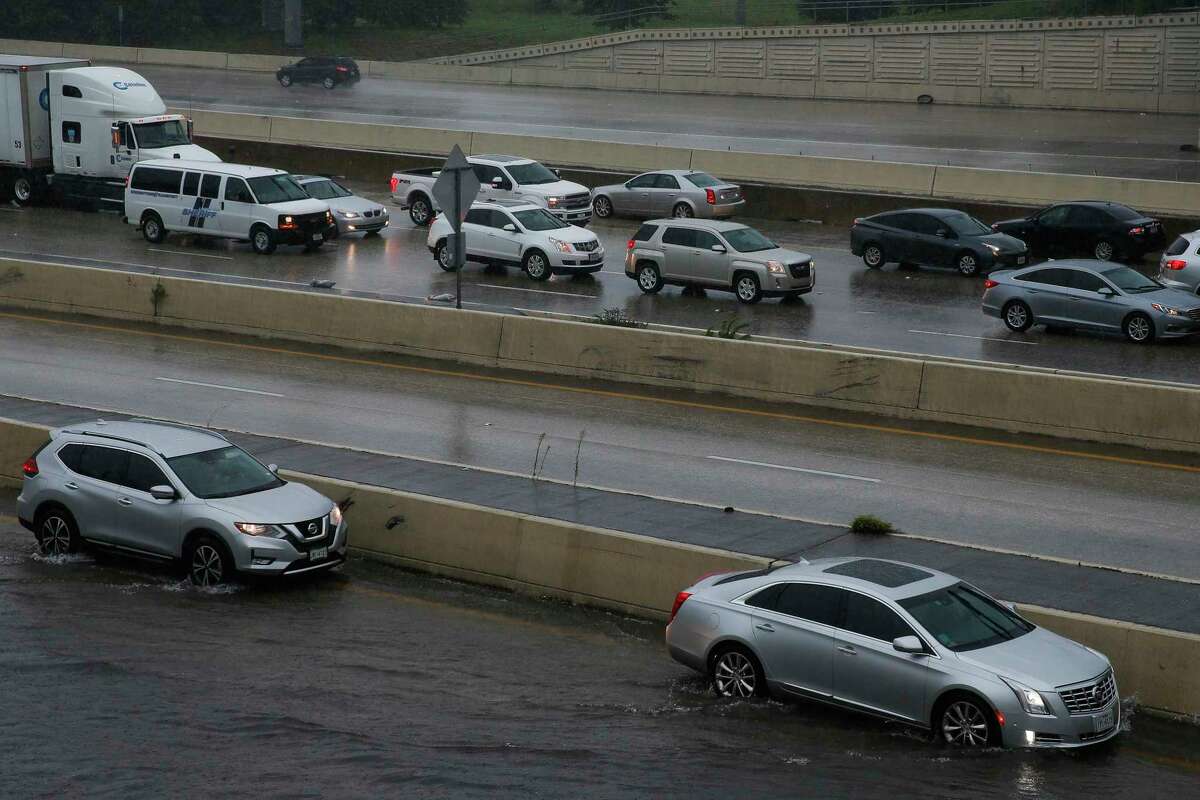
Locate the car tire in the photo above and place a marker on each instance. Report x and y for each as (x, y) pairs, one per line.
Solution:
(22, 189)
(328, 83)
(682, 211)
(441, 253)
(735, 672)
(312, 247)
(56, 532)
(420, 211)
(152, 228)
(967, 263)
(1104, 250)
(1017, 315)
(536, 265)
(262, 241)
(602, 207)
(1138, 328)
(964, 721)
(649, 279)
(873, 255)
(208, 561)
(747, 288)
(285, 81)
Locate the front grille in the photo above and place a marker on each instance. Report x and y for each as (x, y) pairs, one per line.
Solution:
(586, 247)
(1091, 697)
(573, 201)
(375, 212)
(1193, 313)
(306, 540)
(801, 269)
(312, 223)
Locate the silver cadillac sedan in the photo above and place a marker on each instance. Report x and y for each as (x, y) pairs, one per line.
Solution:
(898, 641)
(669, 193)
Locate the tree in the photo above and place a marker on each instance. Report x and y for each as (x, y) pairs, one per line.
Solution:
(617, 14)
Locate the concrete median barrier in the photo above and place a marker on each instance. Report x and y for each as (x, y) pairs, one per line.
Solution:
(222, 125)
(254, 62)
(18, 440)
(182, 58)
(100, 52)
(581, 152)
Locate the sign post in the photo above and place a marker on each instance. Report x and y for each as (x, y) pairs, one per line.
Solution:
(455, 190)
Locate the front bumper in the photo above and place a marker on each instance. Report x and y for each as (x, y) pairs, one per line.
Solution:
(1061, 731)
(285, 557)
(577, 263)
(1010, 260)
(781, 285)
(302, 235)
(1168, 327)
(362, 224)
(575, 216)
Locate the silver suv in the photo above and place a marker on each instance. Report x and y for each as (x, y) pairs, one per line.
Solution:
(171, 492)
(711, 254)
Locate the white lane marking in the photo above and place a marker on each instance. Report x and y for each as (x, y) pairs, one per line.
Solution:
(981, 338)
(182, 253)
(538, 291)
(219, 386)
(797, 469)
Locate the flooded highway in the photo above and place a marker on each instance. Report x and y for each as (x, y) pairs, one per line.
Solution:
(120, 680)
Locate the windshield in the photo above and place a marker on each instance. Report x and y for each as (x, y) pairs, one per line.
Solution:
(225, 472)
(1131, 281)
(171, 133)
(277, 189)
(326, 190)
(748, 240)
(961, 618)
(702, 179)
(539, 219)
(526, 174)
(966, 225)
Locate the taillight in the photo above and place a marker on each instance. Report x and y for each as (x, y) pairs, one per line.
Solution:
(342, 69)
(679, 598)
(30, 469)
(857, 220)
(988, 283)
(1175, 263)
(1136, 230)
(710, 196)
(630, 244)
(393, 183)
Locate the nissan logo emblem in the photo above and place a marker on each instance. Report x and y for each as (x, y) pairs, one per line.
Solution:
(313, 528)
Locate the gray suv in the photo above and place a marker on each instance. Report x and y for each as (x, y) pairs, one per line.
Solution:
(171, 492)
(711, 254)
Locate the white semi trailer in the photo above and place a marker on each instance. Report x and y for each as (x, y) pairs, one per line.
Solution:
(71, 131)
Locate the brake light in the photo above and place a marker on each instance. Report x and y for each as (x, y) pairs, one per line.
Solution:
(393, 183)
(342, 69)
(127, 181)
(30, 467)
(857, 220)
(630, 244)
(679, 598)
(710, 196)
(1175, 263)
(1136, 230)
(988, 283)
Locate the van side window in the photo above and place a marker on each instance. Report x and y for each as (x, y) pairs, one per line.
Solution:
(237, 191)
(191, 183)
(71, 91)
(153, 179)
(211, 186)
(72, 133)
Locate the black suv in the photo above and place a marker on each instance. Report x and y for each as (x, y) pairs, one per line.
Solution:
(936, 237)
(1089, 228)
(328, 72)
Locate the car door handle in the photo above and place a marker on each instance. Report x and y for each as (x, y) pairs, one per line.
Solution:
(850, 651)
(766, 626)
(72, 485)
(125, 501)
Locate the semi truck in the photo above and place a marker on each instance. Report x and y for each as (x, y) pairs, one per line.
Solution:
(70, 131)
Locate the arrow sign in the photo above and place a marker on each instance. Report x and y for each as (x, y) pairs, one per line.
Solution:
(456, 188)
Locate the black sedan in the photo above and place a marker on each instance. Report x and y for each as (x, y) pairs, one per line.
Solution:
(329, 72)
(1088, 228)
(938, 237)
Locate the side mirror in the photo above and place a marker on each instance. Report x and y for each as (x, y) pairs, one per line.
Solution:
(718, 248)
(1011, 607)
(191, 126)
(163, 492)
(908, 644)
(116, 136)
(497, 182)
(510, 228)
(1105, 291)
(273, 467)
(557, 174)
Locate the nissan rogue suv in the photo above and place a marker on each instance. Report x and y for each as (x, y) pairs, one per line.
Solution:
(175, 493)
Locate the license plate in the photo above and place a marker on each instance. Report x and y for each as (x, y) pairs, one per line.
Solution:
(316, 237)
(1020, 260)
(1104, 720)
(318, 554)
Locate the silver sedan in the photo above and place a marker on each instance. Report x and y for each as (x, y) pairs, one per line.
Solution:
(352, 213)
(1179, 267)
(669, 193)
(898, 641)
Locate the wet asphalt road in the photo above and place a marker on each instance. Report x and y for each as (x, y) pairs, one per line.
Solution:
(1127, 144)
(923, 311)
(123, 682)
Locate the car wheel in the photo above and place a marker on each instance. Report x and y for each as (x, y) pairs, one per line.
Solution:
(648, 278)
(964, 722)
(152, 228)
(536, 266)
(57, 533)
(285, 81)
(420, 211)
(312, 247)
(1104, 250)
(262, 240)
(1138, 328)
(328, 83)
(735, 672)
(22, 190)
(443, 255)
(747, 289)
(602, 207)
(967, 263)
(1017, 316)
(873, 256)
(208, 562)
(682, 211)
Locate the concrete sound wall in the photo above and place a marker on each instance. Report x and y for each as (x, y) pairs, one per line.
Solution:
(1011, 399)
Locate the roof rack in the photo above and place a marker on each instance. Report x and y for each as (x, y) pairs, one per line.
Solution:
(112, 436)
(180, 425)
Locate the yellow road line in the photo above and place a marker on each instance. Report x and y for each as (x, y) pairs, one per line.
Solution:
(691, 404)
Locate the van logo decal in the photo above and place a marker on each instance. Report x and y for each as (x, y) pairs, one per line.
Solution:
(44, 99)
(123, 85)
(199, 212)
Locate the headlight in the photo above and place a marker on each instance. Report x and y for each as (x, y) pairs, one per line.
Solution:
(775, 268)
(335, 516)
(1030, 700)
(553, 202)
(259, 529)
(563, 247)
(1168, 310)
(995, 250)
(344, 214)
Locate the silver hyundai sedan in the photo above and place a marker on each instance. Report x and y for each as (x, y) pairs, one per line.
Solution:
(898, 641)
(669, 193)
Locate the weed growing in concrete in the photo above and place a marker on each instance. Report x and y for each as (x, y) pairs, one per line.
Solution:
(866, 523)
(729, 328)
(615, 316)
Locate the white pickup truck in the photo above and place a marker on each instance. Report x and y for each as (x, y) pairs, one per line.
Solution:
(500, 178)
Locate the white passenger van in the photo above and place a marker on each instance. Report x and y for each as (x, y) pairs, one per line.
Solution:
(263, 206)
